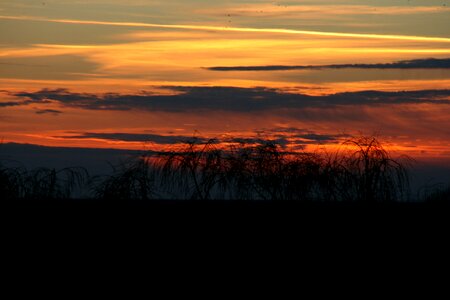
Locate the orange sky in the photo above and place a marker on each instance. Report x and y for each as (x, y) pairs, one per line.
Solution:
(92, 48)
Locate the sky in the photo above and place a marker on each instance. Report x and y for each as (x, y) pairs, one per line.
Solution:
(148, 74)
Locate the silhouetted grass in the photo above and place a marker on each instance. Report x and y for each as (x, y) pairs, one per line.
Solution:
(267, 172)
(11, 183)
(362, 170)
(370, 174)
(130, 180)
(53, 184)
(41, 183)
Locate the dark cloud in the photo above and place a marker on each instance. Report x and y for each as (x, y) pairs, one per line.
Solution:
(428, 63)
(96, 161)
(255, 140)
(166, 139)
(283, 139)
(135, 137)
(227, 99)
(11, 103)
(306, 136)
(48, 111)
(322, 138)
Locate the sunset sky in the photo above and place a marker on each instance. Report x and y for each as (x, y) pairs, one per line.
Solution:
(137, 73)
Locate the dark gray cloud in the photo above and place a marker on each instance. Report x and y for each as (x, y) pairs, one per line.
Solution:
(257, 140)
(323, 138)
(307, 136)
(96, 161)
(135, 137)
(11, 103)
(427, 63)
(227, 99)
(166, 139)
(48, 111)
(283, 138)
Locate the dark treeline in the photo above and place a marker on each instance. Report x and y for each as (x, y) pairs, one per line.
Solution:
(363, 172)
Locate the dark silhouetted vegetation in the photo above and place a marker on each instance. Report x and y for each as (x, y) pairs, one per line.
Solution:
(437, 194)
(41, 183)
(362, 170)
(131, 180)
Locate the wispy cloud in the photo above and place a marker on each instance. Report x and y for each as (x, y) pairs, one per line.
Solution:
(429, 63)
(237, 29)
(259, 9)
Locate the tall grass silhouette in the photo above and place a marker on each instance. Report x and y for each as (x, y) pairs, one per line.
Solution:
(41, 183)
(131, 180)
(11, 183)
(197, 171)
(362, 170)
(369, 173)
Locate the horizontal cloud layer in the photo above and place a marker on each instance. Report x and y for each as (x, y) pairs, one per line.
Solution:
(134, 137)
(429, 63)
(296, 135)
(48, 111)
(225, 99)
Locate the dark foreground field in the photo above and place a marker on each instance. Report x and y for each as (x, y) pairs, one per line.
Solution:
(168, 238)
(167, 213)
(185, 230)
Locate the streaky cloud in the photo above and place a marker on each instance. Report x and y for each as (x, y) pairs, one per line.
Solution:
(307, 137)
(48, 111)
(134, 137)
(428, 63)
(236, 29)
(11, 103)
(232, 99)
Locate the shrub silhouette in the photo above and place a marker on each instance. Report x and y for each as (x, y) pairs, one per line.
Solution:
(51, 184)
(10, 183)
(361, 171)
(267, 172)
(130, 180)
(370, 174)
(197, 171)
(40, 184)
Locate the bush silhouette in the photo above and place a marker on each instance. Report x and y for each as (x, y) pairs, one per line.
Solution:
(130, 180)
(370, 174)
(10, 183)
(40, 184)
(198, 170)
(267, 172)
(52, 184)
(362, 170)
